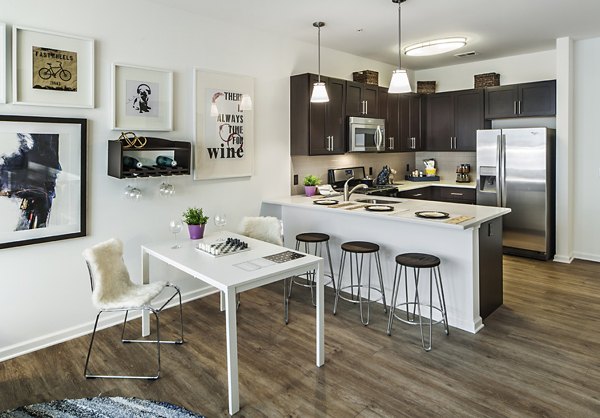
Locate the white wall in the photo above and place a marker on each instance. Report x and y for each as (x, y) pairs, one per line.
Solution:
(44, 288)
(586, 242)
(516, 69)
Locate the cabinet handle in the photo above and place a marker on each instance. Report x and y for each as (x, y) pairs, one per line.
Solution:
(331, 143)
(362, 109)
(455, 144)
(366, 107)
(391, 138)
(451, 142)
(519, 107)
(456, 194)
(515, 108)
(417, 194)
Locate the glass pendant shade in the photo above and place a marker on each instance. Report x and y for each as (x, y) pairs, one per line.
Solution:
(399, 83)
(246, 103)
(319, 93)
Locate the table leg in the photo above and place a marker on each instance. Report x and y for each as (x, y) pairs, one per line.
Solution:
(320, 322)
(232, 357)
(145, 280)
(222, 300)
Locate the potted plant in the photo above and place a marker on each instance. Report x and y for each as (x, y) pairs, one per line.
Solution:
(310, 184)
(196, 222)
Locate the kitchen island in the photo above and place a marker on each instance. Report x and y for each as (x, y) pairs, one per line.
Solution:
(469, 243)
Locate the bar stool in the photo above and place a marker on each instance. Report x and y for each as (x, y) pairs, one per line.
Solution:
(317, 239)
(355, 248)
(418, 261)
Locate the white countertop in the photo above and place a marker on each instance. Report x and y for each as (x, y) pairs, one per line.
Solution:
(404, 209)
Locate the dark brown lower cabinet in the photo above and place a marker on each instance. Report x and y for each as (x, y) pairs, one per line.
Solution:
(441, 194)
(490, 267)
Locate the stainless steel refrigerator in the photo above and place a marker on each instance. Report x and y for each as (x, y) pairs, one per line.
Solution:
(516, 169)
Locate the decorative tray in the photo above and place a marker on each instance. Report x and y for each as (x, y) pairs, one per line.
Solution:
(325, 202)
(432, 214)
(379, 208)
(424, 178)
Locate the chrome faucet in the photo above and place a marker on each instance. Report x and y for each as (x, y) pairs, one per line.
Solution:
(348, 193)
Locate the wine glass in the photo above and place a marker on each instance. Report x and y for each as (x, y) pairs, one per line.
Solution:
(220, 220)
(175, 226)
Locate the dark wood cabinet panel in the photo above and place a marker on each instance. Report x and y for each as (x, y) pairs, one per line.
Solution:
(361, 99)
(422, 193)
(490, 267)
(521, 100)
(415, 122)
(453, 119)
(468, 118)
(440, 122)
(457, 195)
(317, 128)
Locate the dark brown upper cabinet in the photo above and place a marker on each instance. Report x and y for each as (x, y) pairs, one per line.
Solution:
(521, 100)
(452, 120)
(317, 128)
(411, 122)
(362, 99)
(402, 113)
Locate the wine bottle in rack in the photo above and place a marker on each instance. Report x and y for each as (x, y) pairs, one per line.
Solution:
(130, 162)
(164, 161)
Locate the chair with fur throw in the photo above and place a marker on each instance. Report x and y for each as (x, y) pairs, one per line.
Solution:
(113, 291)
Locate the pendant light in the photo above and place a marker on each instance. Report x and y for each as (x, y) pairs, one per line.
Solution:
(399, 82)
(319, 93)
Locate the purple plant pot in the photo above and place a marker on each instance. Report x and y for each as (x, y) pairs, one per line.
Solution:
(196, 231)
(310, 190)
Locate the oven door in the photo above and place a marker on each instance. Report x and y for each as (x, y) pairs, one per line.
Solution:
(366, 135)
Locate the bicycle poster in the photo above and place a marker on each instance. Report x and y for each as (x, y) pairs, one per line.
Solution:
(54, 69)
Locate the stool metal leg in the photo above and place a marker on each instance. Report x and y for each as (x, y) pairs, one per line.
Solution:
(379, 271)
(339, 286)
(440, 288)
(330, 265)
(395, 292)
(359, 278)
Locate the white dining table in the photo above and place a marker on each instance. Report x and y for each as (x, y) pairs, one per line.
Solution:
(233, 274)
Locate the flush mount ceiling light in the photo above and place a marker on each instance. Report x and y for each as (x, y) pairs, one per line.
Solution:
(399, 82)
(319, 93)
(437, 46)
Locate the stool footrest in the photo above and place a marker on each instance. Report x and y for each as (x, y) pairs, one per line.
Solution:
(354, 299)
(415, 316)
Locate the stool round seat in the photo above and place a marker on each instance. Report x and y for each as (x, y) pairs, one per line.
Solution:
(418, 260)
(360, 247)
(312, 237)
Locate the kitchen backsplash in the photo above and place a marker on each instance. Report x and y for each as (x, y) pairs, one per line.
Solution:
(446, 163)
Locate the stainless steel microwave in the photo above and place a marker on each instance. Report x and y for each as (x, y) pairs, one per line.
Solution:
(366, 135)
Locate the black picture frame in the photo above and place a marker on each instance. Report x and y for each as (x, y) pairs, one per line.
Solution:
(43, 176)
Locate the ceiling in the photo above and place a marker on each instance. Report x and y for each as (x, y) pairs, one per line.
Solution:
(369, 28)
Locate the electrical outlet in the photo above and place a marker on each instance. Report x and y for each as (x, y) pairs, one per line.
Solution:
(370, 171)
(295, 179)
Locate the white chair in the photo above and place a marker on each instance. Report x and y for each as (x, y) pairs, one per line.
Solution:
(113, 291)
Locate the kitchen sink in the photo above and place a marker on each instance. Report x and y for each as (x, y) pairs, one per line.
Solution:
(378, 201)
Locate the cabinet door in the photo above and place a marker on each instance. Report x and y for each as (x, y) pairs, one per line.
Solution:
(361, 99)
(415, 122)
(335, 121)
(537, 99)
(319, 144)
(422, 193)
(394, 132)
(440, 122)
(501, 102)
(468, 117)
(457, 195)
(370, 94)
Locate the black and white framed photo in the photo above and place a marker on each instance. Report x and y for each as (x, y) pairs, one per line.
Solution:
(3, 45)
(142, 98)
(223, 125)
(52, 69)
(42, 179)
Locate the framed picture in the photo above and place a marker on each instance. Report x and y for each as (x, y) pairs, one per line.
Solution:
(223, 125)
(42, 179)
(3, 62)
(52, 69)
(142, 98)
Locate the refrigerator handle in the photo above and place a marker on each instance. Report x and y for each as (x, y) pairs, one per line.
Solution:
(499, 162)
(503, 170)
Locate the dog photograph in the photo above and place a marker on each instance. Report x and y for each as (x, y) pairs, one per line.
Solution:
(142, 98)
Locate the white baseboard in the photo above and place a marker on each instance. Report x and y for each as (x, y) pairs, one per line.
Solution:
(587, 256)
(106, 320)
(563, 259)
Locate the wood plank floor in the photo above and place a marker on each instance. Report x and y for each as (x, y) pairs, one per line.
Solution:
(538, 355)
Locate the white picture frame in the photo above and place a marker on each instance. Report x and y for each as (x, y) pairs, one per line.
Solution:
(223, 125)
(142, 98)
(3, 62)
(52, 69)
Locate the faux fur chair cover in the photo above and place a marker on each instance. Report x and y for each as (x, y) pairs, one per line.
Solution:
(113, 288)
(264, 228)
